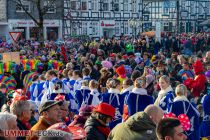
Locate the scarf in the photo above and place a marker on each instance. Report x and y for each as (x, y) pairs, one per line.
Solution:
(26, 124)
(104, 130)
(161, 94)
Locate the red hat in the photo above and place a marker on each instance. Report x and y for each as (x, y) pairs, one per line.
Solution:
(106, 109)
(121, 71)
(112, 55)
(125, 57)
(60, 98)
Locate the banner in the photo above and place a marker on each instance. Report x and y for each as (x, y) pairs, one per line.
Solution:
(11, 57)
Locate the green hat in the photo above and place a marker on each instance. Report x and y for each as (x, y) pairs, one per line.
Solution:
(98, 62)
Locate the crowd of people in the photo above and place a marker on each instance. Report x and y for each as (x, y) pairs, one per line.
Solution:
(111, 89)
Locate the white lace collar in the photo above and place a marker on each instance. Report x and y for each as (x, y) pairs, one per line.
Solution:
(94, 92)
(127, 89)
(139, 91)
(181, 98)
(112, 90)
(163, 92)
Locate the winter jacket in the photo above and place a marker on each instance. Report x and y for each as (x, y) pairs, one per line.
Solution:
(137, 127)
(181, 105)
(92, 131)
(42, 124)
(3, 99)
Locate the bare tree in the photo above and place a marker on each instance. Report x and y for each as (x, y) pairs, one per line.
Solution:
(41, 8)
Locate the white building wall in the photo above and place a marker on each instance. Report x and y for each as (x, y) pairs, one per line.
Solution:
(121, 17)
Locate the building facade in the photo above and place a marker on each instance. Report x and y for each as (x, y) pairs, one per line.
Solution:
(3, 20)
(19, 21)
(98, 18)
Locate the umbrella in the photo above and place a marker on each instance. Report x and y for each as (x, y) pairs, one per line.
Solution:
(9, 81)
(28, 80)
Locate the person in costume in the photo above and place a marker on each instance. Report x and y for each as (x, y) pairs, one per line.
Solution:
(82, 93)
(138, 99)
(205, 126)
(197, 85)
(32, 87)
(78, 80)
(49, 85)
(115, 99)
(94, 97)
(181, 105)
(166, 94)
(121, 72)
(38, 91)
(65, 78)
(86, 74)
(59, 90)
(127, 87)
(71, 80)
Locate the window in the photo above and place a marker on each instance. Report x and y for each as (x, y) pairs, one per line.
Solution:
(208, 9)
(84, 5)
(94, 26)
(134, 6)
(193, 8)
(25, 5)
(73, 5)
(51, 7)
(94, 5)
(117, 28)
(125, 5)
(165, 11)
(105, 5)
(115, 5)
(84, 28)
(125, 27)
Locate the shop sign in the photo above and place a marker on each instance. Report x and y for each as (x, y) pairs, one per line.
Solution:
(30, 23)
(107, 23)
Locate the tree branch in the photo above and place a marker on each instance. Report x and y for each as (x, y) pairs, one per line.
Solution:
(19, 3)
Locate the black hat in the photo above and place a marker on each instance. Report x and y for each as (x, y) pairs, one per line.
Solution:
(46, 105)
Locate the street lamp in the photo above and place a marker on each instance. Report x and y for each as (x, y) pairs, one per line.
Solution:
(134, 23)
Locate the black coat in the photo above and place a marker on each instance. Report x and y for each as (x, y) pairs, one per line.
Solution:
(91, 129)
